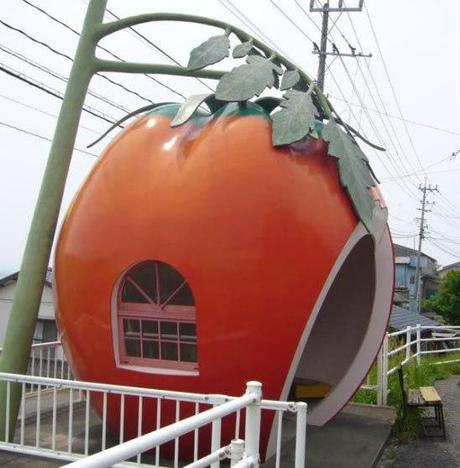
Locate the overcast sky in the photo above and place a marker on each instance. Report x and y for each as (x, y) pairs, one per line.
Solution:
(414, 75)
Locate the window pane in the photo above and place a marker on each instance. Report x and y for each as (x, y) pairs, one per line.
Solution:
(169, 351)
(49, 330)
(144, 276)
(150, 349)
(132, 294)
(149, 328)
(170, 280)
(132, 327)
(183, 297)
(133, 348)
(188, 352)
(168, 330)
(187, 331)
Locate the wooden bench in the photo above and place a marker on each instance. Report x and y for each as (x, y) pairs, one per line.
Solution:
(304, 389)
(424, 397)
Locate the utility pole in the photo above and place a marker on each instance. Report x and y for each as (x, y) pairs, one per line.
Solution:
(421, 236)
(322, 50)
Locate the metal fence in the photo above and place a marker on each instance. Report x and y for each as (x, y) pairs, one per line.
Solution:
(60, 423)
(401, 347)
(47, 360)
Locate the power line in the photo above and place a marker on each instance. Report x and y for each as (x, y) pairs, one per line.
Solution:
(447, 250)
(56, 20)
(382, 101)
(406, 188)
(28, 132)
(61, 54)
(49, 114)
(44, 69)
(412, 122)
(396, 138)
(231, 7)
(392, 87)
(292, 21)
(374, 128)
(425, 171)
(155, 46)
(50, 91)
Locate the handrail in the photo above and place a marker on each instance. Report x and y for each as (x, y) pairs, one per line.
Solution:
(148, 441)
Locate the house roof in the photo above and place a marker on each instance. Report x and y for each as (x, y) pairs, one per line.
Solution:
(402, 251)
(14, 277)
(401, 318)
(452, 266)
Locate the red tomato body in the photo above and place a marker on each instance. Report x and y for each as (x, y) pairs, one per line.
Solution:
(254, 229)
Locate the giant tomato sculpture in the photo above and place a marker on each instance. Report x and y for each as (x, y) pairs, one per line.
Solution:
(200, 257)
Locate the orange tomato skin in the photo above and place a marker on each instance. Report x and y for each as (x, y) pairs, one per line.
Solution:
(254, 229)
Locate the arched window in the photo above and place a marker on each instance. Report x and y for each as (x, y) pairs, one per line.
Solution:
(156, 318)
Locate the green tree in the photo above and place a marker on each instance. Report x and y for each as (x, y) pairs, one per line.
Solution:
(446, 300)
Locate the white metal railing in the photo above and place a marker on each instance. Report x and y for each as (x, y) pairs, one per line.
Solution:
(399, 348)
(60, 424)
(47, 360)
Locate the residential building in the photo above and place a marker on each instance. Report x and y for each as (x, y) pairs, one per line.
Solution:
(45, 330)
(444, 270)
(405, 272)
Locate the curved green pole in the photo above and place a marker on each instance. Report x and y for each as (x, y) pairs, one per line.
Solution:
(23, 316)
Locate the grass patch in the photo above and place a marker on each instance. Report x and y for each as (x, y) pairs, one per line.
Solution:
(422, 375)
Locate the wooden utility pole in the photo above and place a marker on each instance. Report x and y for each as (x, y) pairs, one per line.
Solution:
(421, 236)
(322, 50)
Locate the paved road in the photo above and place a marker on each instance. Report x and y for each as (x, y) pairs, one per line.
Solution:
(432, 453)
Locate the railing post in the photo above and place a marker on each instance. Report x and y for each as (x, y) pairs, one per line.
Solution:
(236, 451)
(385, 369)
(252, 430)
(300, 439)
(419, 343)
(408, 341)
(216, 438)
(380, 376)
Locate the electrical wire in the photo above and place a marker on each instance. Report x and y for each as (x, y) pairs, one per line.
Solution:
(409, 136)
(145, 39)
(412, 122)
(28, 132)
(44, 69)
(371, 75)
(41, 111)
(58, 21)
(292, 21)
(237, 13)
(67, 57)
(396, 138)
(377, 134)
(52, 92)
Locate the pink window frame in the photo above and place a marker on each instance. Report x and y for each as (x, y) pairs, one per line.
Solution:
(153, 312)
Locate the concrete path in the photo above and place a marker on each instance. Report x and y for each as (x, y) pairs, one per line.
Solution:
(357, 434)
(355, 438)
(432, 453)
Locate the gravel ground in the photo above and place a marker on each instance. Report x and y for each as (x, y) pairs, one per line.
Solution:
(431, 453)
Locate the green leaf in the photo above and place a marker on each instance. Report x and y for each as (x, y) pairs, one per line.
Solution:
(255, 59)
(246, 81)
(354, 171)
(211, 51)
(294, 120)
(188, 108)
(290, 79)
(241, 50)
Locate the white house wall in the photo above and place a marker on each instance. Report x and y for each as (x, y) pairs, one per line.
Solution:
(46, 310)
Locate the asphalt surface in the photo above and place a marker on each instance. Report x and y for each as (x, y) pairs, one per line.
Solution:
(435, 452)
